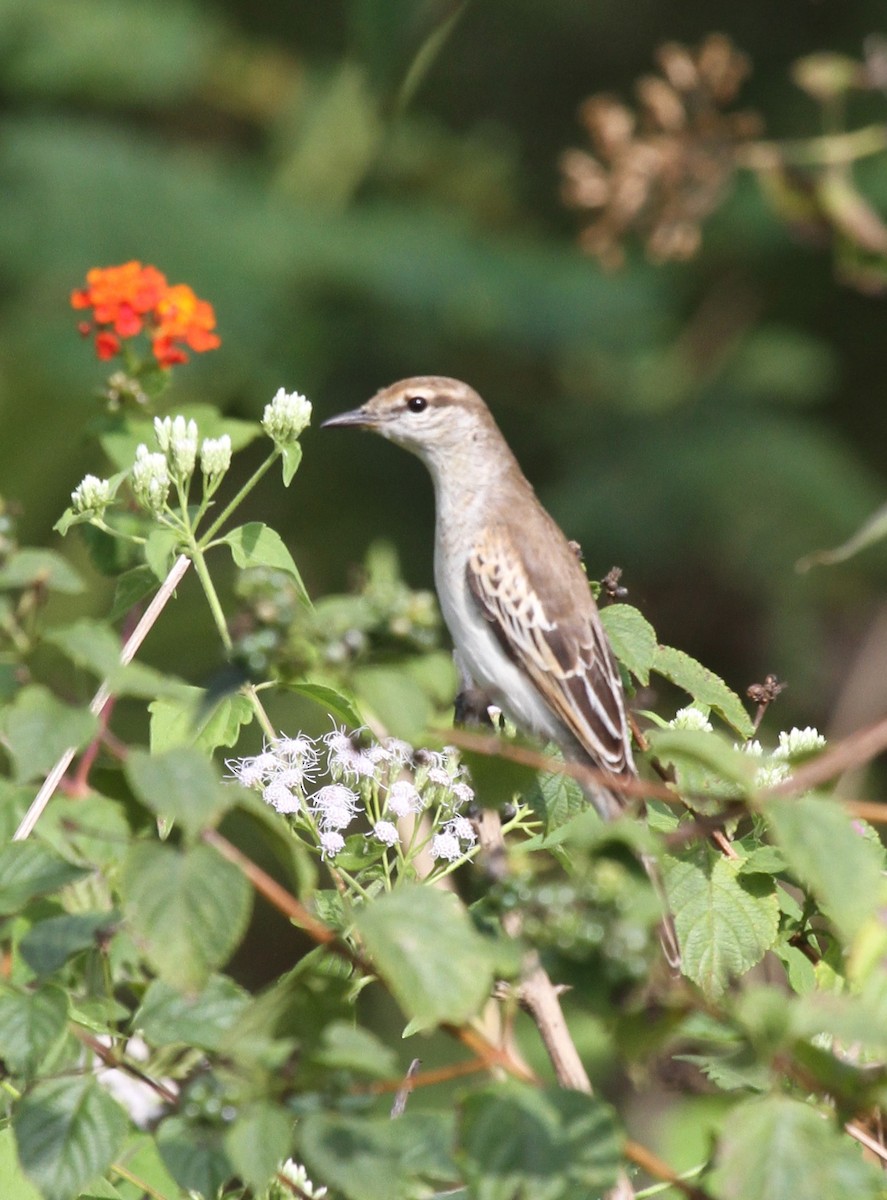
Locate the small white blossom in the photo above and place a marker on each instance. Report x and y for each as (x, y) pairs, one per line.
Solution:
(440, 777)
(150, 478)
(799, 741)
(298, 1176)
(215, 456)
(690, 718)
(247, 771)
(386, 832)
(753, 749)
(463, 793)
(771, 773)
(281, 798)
(463, 829)
(446, 845)
(287, 416)
(91, 496)
(336, 806)
(177, 438)
(403, 798)
(399, 752)
(331, 843)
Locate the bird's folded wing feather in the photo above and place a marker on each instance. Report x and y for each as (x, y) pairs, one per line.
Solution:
(564, 652)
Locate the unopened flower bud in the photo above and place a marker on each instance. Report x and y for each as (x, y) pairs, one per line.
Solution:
(150, 479)
(285, 418)
(177, 438)
(215, 456)
(91, 496)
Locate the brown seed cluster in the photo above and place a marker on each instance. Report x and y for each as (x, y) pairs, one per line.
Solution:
(661, 170)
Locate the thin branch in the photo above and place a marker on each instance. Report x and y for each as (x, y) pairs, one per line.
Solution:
(866, 1139)
(103, 695)
(644, 1158)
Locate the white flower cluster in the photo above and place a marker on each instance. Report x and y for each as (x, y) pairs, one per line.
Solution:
(296, 1174)
(286, 417)
(91, 496)
(776, 767)
(153, 472)
(691, 717)
(367, 779)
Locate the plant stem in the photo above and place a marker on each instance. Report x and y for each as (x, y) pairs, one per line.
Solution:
(244, 491)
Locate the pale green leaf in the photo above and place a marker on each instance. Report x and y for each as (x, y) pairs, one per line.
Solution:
(777, 1148)
(632, 637)
(348, 1047)
(161, 547)
(29, 567)
(725, 921)
(291, 457)
(37, 729)
(556, 798)
(179, 784)
(31, 1023)
(14, 1183)
(839, 865)
(186, 719)
(258, 1142)
(551, 1144)
(706, 766)
(166, 1015)
(704, 686)
(187, 908)
(68, 1130)
(258, 545)
(425, 947)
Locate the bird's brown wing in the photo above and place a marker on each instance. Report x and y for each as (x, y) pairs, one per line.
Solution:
(560, 644)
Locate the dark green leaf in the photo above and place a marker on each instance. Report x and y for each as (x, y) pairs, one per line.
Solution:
(704, 686)
(194, 1155)
(188, 909)
(632, 637)
(38, 729)
(551, 1144)
(28, 869)
(258, 1141)
(257, 545)
(68, 1131)
(165, 1015)
(838, 864)
(180, 784)
(428, 952)
(31, 1023)
(781, 1149)
(50, 943)
(725, 921)
(497, 779)
(132, 586)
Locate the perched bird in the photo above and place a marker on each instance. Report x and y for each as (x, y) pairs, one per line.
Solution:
(512, 591)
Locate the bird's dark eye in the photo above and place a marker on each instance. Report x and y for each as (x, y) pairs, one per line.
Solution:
(417, 404)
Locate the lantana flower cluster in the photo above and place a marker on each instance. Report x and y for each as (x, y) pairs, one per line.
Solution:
(131, 299)
(372, 788)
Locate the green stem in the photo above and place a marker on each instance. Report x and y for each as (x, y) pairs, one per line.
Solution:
(195, 553)
(834, 149)
(244, 491)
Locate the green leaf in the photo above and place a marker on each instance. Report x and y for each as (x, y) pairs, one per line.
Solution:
(332, 701)
(258, 1141)
(839, 865)
(31, 1023)
(166, 1016)
(258, 545)
(632, 637)
(186, 719)
(187, 908)
(556, 798)
(132, 586)
(422, 941)
(91, 829)
(38, 729)
(725, 921)
(399, 702)
(777, 1148)
(161, 547)
(291, 456)
(89, 644)
(68, 1131)
(348, 1047)
(180, 784)
(14, 1184)
(551, 1144)
(194, 1155)
(50, 943)
(29, 567)
(704, 686)
(29, 869)
(706, 765)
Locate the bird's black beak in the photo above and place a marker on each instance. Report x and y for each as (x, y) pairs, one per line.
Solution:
(359, 417)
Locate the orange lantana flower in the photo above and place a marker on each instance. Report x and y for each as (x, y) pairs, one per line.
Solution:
(133, 298)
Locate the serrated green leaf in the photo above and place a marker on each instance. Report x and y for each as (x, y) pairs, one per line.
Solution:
(258, 1141)
(194, 1155)
(187, 908)
(30, 566)
(31, 1023)
(422, 942)
(29, 869)
(258, 545)
(68, 1131)
(780, 1149)
(556, 798)
(725, 922)
(332, 701)
(50, 943)
(185, 719)
(37, 729)
(839, 865)
(703, 685)
(166, 1016)
(92, 829)
(551, 1144)
(632, 637)
(180, 784)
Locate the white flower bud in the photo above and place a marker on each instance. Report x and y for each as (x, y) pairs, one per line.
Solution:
(177, 438)
(215, 456)
(288, 414)
(91, 496)
(150, 479)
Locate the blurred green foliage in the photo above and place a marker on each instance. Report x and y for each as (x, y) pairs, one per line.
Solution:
(369, 189)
